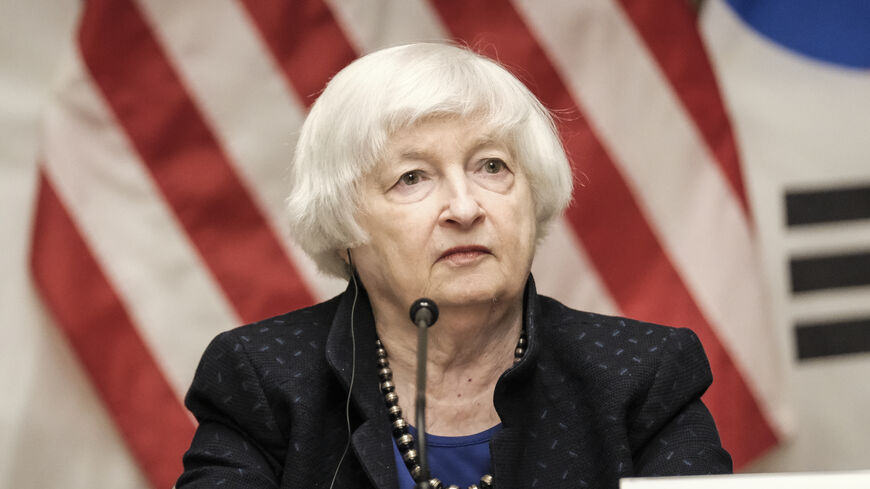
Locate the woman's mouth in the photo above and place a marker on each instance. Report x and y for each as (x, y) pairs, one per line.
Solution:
(464, 255)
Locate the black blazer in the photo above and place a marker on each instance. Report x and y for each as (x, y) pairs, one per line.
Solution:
(595, 398)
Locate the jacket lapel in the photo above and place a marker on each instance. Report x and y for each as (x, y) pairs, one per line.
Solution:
(546, 424)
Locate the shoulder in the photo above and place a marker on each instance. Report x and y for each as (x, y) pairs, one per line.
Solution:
(310, 323)
(275, 345)
(602, 336)
(620, 355)
(641, 382)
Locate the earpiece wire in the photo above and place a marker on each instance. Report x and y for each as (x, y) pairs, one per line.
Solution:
(352, 370)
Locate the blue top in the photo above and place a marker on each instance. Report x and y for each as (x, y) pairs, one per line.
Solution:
(459, 460)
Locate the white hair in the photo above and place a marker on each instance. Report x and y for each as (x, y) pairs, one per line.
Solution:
(349, 125)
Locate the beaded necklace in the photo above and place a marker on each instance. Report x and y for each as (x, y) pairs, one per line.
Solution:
(404, 439)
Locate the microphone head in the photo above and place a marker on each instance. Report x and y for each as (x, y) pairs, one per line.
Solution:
(424, 310)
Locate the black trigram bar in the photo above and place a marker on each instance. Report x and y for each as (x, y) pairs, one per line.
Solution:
(829, 205)
(830, 271)
(832, 338)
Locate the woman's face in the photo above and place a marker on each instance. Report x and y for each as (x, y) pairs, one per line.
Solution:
(450, 216)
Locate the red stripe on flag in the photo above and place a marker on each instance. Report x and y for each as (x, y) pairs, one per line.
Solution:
(670, 30)
(305, 39)
(612, 226)
(188, 164)
(155, 425)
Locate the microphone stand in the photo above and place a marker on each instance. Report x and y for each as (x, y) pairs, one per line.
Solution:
(424, 313)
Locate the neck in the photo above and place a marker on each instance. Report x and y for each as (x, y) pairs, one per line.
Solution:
(469, 348)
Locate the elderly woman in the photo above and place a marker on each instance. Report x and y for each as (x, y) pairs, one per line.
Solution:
(428, 171)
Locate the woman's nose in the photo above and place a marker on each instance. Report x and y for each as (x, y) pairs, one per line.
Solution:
(463, 208)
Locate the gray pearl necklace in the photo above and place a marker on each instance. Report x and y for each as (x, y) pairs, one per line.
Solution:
(404, 439)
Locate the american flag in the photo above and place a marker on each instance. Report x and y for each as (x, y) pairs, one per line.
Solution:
(159, 216)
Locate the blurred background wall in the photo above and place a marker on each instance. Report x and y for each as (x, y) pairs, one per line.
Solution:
(796, 94)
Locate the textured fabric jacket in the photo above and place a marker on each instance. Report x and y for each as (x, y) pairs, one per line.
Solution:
(595, 398)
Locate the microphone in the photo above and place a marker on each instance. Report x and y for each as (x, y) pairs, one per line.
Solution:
(424, 313)
(424, 310)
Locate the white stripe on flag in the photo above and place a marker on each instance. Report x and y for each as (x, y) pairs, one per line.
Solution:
(134, 235)
(374, 24)
(830, 305)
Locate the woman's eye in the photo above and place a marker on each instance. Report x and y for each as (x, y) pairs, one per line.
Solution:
(410, 178)
(411, 186)
(493, 165)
